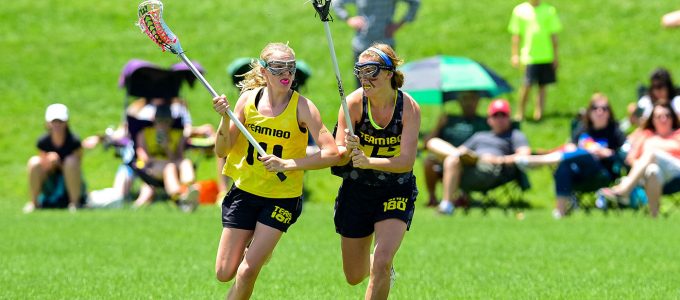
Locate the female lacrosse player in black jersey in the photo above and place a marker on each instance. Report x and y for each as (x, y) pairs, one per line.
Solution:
(378, 189)
(260, 207)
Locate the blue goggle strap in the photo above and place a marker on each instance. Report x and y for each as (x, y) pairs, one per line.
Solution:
(383, 55)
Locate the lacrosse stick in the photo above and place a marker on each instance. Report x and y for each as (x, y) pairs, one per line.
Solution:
(151, 22)
(322, 8)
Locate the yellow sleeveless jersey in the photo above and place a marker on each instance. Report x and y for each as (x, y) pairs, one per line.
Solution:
(281, 136)
(154, 149)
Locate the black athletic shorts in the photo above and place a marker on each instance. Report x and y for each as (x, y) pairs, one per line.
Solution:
(243, 210)
(540, 73)
(358, 206)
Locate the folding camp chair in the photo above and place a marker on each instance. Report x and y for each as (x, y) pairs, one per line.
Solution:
(145, 81)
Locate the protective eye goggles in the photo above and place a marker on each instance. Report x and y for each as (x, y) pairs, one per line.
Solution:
(369, 69)
(278, 67)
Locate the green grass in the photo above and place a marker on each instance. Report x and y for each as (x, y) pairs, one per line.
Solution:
(161, 253)
(73, 51)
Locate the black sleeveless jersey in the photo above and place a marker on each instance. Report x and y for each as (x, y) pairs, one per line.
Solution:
(377, 142)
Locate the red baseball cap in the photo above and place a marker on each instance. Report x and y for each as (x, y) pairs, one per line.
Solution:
(498, 105)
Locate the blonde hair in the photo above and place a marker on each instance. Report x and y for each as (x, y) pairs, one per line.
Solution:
(254, 78)
(398, 77)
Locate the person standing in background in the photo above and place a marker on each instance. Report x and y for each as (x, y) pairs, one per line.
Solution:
(373, 22)
(534, 26)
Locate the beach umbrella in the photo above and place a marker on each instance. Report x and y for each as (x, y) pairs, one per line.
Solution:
(436, 79)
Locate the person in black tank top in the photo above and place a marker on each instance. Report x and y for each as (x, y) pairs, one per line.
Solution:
(379, 190)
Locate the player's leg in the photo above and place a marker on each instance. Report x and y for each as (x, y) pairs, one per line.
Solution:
(232, 244)
(356, 258)
(388, 236)
(264, 240)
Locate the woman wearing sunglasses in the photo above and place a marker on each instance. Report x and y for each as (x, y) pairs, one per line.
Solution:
(376, 199)
(260, 208)
(654, 157)
(589, 160)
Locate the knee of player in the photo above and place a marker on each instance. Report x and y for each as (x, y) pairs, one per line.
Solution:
(248, 272)
(224, 275)
(354, 279)
(381, 263)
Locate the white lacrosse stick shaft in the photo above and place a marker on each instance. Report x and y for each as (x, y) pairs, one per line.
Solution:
(231, 115)
(334, 58)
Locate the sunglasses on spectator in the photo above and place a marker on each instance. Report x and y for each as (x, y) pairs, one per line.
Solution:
(278, 67)
(658, 86)
(600, 107)
(499, 115)
(662, 116)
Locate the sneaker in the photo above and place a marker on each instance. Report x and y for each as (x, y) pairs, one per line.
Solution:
(446, 207)
(189, 200)
(29, 208)
(557, 214)
(393, 276)
(600, 201)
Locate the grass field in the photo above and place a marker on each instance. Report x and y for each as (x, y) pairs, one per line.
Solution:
(160, 253)
(72, 52)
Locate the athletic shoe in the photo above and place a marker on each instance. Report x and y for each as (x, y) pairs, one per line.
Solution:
(393, 276)
(600, 201)
(609, 194)
(446, 207)
(189, 200)
(557, 214)
(28, 208)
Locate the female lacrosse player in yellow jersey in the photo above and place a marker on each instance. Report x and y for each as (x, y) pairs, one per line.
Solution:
(379, 189)
(260, 207)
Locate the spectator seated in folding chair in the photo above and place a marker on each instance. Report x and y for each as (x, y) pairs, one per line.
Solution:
(655, 160)
(450, 132)
(589, 161)
(486, 160)
(150, 86)
(660, 91)
(160, 158)
(55, 175)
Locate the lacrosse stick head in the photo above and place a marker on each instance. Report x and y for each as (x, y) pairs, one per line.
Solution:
(151, 22)
(322, 7)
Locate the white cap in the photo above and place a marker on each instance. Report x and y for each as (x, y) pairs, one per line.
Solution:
(56, 111)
